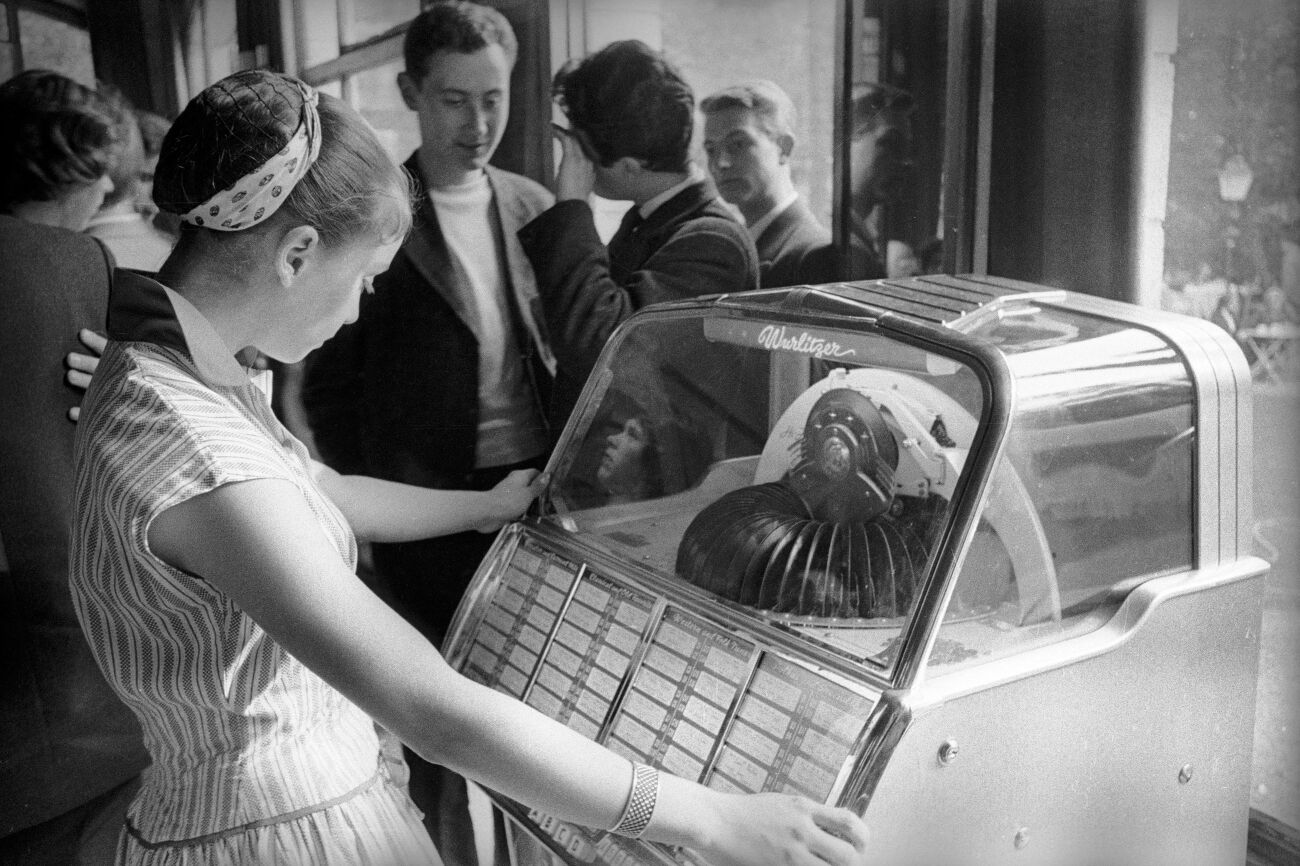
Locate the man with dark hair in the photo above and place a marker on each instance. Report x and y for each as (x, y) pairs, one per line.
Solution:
(630, 116)
(749, 138)
(444, 378)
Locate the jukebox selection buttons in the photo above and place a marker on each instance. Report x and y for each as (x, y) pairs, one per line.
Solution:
(519, 618)
(793, 730)
(591, 652)
(680, 694)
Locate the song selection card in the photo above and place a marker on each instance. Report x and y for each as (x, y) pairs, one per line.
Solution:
(793, 731)
(520, 617)
(591, 652)
(680, 694)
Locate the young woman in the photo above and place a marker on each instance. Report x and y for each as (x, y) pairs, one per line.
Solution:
(213, 561)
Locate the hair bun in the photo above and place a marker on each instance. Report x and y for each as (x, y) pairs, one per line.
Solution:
(224, 133)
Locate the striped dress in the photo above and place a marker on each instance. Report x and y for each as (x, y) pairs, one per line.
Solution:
(255, 758)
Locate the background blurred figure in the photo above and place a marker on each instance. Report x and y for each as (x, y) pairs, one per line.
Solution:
(124, 222)
(880, 168)
(749, 138)
(69, 750)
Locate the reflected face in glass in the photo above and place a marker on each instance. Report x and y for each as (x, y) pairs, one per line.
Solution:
(623, 465)
(880, 157)
(746, 162)
(463, 102)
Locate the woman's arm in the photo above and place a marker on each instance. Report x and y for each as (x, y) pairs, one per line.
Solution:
(389, 511)
(258, 542)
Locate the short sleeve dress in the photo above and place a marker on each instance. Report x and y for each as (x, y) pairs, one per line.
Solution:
(255, 759)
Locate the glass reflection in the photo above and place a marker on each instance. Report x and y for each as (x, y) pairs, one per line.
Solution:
(893, 219)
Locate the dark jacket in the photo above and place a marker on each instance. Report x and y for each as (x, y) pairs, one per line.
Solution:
(785, 244)
(690, 246)
(65, 738)
(395, 394)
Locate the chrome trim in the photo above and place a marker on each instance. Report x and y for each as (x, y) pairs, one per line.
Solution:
(1133, 613)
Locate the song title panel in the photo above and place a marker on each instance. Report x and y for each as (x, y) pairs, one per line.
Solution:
(679, 696)
(793, 731)
(523, 612)
(591, 652)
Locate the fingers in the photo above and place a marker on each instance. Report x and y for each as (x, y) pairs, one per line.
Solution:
(844, 840)
(74, 414)
(524, 477)
(87, 364)
(92, 341)
(77, 379)
(844, 824)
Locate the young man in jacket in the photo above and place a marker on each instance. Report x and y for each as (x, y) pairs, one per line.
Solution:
(444, 378)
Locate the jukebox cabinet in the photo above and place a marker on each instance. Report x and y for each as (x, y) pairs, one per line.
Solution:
(966, 555)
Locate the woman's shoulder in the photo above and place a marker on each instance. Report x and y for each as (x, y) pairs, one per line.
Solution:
(145, 395)
(151, 426)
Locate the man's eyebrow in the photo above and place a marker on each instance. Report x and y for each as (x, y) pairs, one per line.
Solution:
(463, 92)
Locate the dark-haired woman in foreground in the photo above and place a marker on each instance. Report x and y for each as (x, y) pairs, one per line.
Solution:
(213, 561)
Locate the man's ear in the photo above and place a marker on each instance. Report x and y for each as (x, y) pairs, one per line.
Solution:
(298, 247)
(410, 89)
(785, 141)
(629, 166)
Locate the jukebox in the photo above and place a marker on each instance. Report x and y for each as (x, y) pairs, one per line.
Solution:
(966, 555)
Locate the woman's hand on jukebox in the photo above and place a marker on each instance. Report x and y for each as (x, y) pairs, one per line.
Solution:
(781, 828)
(81, 367)
(511, 498)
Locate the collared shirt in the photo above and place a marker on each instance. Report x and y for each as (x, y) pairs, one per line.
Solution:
(694, 174)
(240, 732)
(760, 225)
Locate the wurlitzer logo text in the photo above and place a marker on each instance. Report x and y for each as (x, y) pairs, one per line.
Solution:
(773, 337)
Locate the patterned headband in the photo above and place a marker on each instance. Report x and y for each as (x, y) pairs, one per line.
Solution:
(258, 194)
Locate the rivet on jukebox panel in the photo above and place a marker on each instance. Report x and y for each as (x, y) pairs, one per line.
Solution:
(1022, 838)
(1185, 774)
(948, 752)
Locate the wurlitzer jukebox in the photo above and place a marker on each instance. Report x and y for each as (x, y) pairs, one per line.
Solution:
(966, 555)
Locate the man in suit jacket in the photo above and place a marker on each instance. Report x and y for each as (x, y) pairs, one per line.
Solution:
(748, 138)
(445, 377)
(70, 750)
(630, 122)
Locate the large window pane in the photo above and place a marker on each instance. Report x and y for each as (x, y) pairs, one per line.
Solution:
(52, 44)
(360, 20)
(374, 93)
